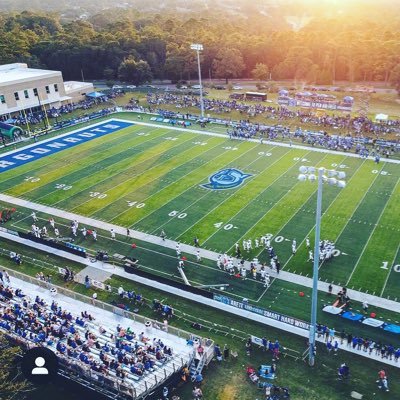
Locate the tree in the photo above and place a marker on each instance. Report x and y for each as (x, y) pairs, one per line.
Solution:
(260, 72)
(136, 72)
(395, 78)
(228, 63)
(12, 385)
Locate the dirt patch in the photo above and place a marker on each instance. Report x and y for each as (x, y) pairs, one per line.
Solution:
(228, 392)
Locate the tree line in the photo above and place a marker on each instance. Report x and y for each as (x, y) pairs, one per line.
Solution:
(137, 47)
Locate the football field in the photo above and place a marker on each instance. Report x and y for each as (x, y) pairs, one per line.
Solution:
(225, 191)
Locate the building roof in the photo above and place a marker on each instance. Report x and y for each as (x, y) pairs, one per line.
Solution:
(18, 72)
(71, 86)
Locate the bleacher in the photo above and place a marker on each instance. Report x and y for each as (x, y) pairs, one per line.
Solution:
(153, 360)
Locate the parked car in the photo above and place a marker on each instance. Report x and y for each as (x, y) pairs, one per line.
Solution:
(131, 87)
(115, 87)
(237, 88)
(196, 87)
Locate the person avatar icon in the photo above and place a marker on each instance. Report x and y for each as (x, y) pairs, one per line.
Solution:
(40, 369)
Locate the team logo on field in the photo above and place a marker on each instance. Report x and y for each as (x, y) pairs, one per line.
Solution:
(227, 178)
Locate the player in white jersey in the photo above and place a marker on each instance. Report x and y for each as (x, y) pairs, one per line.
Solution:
(244, 245)
(256, 243)
(84, 232)
(198, 257)
(219, 261)
(178, 249)
(94, 233)
(249, 245)
(294, 249)
(52, 223)
(112, 233)
(56, 232)
(308, 242)
(310, 256)
(34, 217)
(267, 280)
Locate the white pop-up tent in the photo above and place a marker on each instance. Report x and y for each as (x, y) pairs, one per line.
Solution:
(381, 117)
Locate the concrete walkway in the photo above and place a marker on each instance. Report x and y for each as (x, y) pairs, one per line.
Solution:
(286, 276)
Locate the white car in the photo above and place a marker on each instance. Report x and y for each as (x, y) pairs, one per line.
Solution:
(117, 87)
(196, 87)
(131, 87)
(237, 88)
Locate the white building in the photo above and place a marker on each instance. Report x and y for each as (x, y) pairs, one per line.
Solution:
(23, 88)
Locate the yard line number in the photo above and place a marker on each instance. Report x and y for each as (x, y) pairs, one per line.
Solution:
(230, 148)
(177, 214)
(396, 268)
(98, 195)
(31, 179)
(384, 173)
(135, 204)
(226, 227)
(63, 186)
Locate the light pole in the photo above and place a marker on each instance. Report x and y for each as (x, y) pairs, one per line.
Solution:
(199, 47)
(324, 176)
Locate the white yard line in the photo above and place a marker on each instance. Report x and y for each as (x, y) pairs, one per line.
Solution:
(166, 187)
(292, 146)
(250, 202)
(196, 184)
(277, 204)
(109, 177)
(77, 180)
(330, 205)
(76, 155)
(390, 271)
(287, 276)
(371, 234)
(218, 205)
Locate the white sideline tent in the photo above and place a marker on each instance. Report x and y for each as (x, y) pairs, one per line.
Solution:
(381, 117)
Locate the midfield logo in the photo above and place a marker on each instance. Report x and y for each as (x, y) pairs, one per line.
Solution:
(228, 178)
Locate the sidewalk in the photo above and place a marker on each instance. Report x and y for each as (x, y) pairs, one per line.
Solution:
(286, 276)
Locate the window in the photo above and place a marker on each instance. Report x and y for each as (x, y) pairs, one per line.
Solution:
(2, 99)
(47, 90)
(26, 94)
(56, 87)
(16, 95)
(35, 92)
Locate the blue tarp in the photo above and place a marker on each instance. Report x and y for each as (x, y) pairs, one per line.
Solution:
(95, 95)
(352, 316)
(392, 328)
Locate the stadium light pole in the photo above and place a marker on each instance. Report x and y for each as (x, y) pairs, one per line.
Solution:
(309, 173)
(199, 47)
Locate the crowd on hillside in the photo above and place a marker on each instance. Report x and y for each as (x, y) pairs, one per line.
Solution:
(354, 125)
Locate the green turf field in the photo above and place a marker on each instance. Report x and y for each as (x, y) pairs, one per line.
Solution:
(149, 179)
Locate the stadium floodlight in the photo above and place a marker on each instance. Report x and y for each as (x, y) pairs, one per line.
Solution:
(199, 47)
(308, 173)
